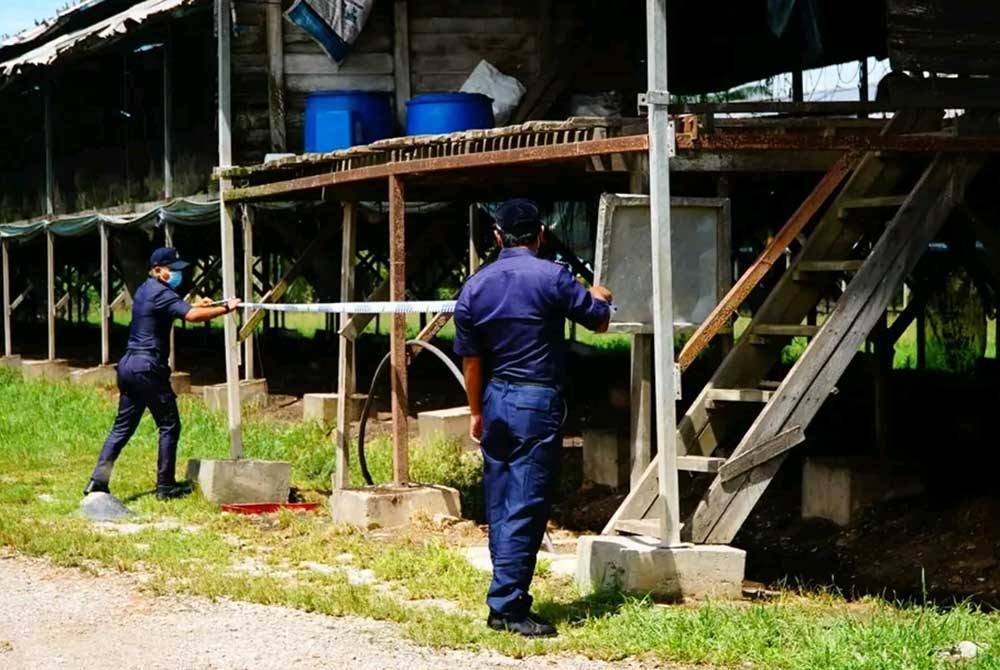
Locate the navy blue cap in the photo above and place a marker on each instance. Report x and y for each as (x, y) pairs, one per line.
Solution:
(167, 257)
(518, 217)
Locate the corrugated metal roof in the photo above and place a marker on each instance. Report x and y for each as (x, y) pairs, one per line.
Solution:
(117, 25)
(48, 25)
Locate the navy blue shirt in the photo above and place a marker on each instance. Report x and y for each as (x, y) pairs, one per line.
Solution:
(154, 308)
(513, 313)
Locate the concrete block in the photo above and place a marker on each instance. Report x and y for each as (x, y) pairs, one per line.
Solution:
(180, 382)
(11, 362)
(450, 424)
(323, 407)
(640, 565)
(837, 489)
(605, 458)
(54, 370)
(253, 393)
(389, 507)
(243, 481)
(104, 375)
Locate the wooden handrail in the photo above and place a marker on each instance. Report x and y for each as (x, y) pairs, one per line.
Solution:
(720, 316)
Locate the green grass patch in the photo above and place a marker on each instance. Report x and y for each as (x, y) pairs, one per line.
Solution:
(50, 435)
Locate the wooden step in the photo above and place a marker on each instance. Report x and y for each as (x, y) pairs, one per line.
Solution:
(805, 269)
(700, 464)
(760, 332)
(716, 396)
(850, 205)
(647, 527)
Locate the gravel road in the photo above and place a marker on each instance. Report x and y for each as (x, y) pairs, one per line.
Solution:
(57, 618)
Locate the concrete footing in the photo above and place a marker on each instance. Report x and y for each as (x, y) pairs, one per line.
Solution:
(253, 393)
(450, 424)
(180, 382)
(54, 370)
(838, 489)
(104, 375)
(322, 407)
(390, 506)
(605, 458)
(243, 481)
(11, 362)
(640, 565)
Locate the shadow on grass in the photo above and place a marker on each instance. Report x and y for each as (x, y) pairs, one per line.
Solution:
(595, 606)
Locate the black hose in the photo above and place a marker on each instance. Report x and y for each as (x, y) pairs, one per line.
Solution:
(362, 461)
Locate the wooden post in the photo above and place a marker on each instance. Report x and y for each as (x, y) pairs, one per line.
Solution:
(168, 239)
(345, 357)
(641, 429)
(51, 292)
(401, 59)
(168, 119)
(397, 292)
(105, 298)
(232, 347)
(798, 86)
(50, 190)
(8, 339)
(248, 343)
(276, 77)
(883, 393)
(474, 261)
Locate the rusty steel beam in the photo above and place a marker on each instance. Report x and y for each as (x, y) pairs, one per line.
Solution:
(841, 141)
(509, 157)
(721, 315)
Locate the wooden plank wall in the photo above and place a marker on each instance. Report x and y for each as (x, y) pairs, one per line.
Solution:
(448, 38)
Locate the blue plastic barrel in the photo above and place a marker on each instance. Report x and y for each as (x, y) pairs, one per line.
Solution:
(441, 113)
(341, 119)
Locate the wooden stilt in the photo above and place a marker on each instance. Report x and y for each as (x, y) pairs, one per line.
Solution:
(345, 357)
(51, 292)
(397, 292)
(168, 119)
(8, 335)
(248, 343)
(641, 431)
(105, 291)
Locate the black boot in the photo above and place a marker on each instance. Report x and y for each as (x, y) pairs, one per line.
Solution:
(530, 625)
(171, 491)
(95, 487)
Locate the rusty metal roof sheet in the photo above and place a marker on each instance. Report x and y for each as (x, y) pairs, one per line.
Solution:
(115, 26)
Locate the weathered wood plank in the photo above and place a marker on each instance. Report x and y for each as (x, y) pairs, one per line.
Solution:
(699, 464)
(369, 63)
(762, 453)
(402, 46)
(308, 83)
(345, 351)
(397, 292)
(276, 78)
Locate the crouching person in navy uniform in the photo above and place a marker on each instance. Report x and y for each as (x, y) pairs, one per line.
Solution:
(144, 373)
(510, 330)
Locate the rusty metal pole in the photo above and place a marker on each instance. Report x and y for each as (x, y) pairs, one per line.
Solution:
(397, 292)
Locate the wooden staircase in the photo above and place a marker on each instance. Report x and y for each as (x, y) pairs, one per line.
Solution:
(743, 423)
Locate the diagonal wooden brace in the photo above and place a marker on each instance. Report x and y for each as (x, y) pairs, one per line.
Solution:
(762, 453)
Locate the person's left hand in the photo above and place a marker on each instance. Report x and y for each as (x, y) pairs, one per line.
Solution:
(203, 302)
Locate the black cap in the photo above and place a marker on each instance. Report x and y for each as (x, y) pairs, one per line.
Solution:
(167, 257)
(518, 217)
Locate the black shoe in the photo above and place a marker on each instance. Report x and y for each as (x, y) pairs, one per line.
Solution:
(530, 625)
(171, 491)
(95, 487)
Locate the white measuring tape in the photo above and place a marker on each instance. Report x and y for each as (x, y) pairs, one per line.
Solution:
(414, 307)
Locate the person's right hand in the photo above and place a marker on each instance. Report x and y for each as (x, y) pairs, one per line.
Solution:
(476, 427)
(601, 293)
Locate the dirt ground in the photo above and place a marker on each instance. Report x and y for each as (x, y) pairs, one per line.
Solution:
(54, 618)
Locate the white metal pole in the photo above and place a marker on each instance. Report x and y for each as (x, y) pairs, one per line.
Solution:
(224, 17)
(663, 312)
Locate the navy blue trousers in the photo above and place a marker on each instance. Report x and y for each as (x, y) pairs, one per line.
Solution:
(521, 445)
(143, 383)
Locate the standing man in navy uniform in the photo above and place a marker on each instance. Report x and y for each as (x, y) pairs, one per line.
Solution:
(144, 373)
(510, 330)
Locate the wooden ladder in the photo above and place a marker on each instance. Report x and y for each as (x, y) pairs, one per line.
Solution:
(764, 418)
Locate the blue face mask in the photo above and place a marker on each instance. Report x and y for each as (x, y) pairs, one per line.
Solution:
(176, 277)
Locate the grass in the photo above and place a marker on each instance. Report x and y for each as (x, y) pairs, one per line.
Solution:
(49, 436)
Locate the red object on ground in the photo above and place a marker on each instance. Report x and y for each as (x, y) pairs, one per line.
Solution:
(267, 508)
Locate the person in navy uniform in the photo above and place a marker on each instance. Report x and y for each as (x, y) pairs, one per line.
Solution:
(510, 324)
(144, 374)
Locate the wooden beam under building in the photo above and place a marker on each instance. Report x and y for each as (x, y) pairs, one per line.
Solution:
(50, 185)
(8, 338)
(397, 292)
(248, 343)
(50, 288)
(345, 356)
(401, 58)
(168, 117)
(276, 77)
(105, 297)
